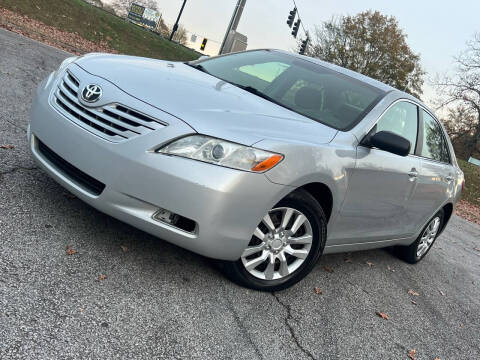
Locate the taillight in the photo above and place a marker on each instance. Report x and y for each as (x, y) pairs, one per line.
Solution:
(463, 184)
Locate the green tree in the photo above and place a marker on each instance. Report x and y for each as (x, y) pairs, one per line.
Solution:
(372, 44)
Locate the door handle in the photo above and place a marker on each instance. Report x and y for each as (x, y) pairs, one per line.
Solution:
(413, 174)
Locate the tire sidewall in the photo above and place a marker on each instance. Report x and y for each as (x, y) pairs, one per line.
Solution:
(306, 204)
(414, 249)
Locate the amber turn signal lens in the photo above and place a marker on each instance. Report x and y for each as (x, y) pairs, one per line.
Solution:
(268, 164)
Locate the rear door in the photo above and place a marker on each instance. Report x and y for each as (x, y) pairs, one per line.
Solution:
(436, 176)
(378, 201)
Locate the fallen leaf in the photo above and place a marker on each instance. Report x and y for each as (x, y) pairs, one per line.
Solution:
(318, 291)
(328, 269)
(441, 292)
(436, 358)
(124, 248)
(476, 249)
(383, 315)
(411, 354)
(6, 147)
(102, 277)
(347, 260)
(370, 264)
(70, 251)
(413, 293)
(37, 30)
(390, 269)
(468, 211)
(81, 309)
(413, 302)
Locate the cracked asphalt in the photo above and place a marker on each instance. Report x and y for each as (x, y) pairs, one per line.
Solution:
(159, 301)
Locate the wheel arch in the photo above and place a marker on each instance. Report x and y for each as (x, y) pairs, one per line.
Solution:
(447, 214)
(322, 193)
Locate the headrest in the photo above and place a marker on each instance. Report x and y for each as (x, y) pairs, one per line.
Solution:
(309, 98)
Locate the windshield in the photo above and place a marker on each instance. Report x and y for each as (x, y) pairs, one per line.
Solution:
(302, 86)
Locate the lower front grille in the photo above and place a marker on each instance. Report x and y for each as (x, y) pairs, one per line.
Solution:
(87, 182)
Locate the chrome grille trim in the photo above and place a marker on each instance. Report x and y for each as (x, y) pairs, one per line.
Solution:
(71, 81)
(113, 122)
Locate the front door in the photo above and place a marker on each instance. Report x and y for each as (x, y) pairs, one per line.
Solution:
(382, 185)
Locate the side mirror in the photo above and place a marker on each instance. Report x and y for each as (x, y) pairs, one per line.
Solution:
(391, 142)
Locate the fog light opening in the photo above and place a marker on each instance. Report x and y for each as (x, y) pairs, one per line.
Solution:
(172, 219)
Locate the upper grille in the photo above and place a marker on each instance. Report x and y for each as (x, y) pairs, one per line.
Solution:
(113, 122)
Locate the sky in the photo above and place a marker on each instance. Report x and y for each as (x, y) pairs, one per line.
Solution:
(436, 29)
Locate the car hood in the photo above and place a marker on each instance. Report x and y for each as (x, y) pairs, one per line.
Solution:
(209, 105)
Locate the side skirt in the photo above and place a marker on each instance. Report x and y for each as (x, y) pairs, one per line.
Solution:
(333, 249)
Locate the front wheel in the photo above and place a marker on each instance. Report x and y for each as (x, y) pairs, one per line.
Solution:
(284, 247)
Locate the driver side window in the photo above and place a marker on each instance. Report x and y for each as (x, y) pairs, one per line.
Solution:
(401, 119)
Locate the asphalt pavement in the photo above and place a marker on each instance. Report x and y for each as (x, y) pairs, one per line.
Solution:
(125, 294)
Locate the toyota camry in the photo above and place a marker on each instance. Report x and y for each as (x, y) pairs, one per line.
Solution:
(263, 159)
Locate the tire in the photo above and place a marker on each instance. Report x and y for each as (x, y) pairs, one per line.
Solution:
(413, 254)
(301, 203)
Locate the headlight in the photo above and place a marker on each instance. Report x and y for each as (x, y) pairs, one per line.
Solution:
(64, 64)
(223, 153)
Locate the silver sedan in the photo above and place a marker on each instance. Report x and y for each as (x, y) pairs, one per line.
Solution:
(264, 160)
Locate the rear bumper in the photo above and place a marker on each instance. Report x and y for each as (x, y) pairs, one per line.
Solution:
(225, 204)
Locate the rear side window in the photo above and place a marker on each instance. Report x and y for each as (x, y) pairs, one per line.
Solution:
(401, 119)
(434, 142)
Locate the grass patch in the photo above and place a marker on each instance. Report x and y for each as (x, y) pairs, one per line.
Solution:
(471, 193)
(97, 25)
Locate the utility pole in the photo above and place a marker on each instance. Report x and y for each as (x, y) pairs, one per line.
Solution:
(175, 27)
(237, 14)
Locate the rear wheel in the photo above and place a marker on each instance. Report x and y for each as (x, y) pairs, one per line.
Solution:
(285, 245)
(419, 249)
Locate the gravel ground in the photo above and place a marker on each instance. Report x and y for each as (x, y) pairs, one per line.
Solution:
(159, 301)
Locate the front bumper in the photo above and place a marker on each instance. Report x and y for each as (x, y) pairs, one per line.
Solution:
(226, 204)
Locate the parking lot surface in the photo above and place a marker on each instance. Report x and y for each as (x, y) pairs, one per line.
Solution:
(126, 294)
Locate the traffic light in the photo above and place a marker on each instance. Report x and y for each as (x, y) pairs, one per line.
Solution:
(291, 17)
(204, 43)
(296, 27)
(304, 45)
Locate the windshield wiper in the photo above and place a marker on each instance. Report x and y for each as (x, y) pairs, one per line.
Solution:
(198, 67)
(250, 89)
(257, 92)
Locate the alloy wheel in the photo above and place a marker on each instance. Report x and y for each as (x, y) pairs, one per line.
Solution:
(428, 236)
(279, 245)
